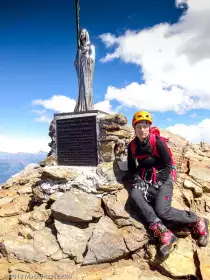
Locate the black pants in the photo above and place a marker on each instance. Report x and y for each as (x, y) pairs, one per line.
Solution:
(161, 208)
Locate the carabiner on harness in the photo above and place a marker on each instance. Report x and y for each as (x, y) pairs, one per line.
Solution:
(147, 196)
(145, 192)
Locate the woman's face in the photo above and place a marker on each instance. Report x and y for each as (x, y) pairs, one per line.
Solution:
(142, 130)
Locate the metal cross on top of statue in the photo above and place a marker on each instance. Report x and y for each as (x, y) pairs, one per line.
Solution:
(84, 64)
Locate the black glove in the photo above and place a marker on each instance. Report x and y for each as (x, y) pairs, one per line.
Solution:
(153, 190)
(138, 182)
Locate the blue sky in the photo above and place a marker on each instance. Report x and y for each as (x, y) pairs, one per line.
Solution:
(38, 48)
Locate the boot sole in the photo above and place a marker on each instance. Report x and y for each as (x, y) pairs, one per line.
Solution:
(173, 247)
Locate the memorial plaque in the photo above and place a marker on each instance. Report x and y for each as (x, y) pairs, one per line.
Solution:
(77, 141)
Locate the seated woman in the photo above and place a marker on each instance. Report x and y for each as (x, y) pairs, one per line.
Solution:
(153, 189)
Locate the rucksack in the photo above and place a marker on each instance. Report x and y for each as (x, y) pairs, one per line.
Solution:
(154, 131)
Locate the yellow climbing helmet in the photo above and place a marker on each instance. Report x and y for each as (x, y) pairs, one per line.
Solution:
(141, 116)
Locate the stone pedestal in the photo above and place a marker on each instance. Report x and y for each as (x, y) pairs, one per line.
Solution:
(89, 138)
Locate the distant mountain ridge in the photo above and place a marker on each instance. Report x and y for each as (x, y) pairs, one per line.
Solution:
(12, 163)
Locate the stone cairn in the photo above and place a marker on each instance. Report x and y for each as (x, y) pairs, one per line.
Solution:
(114, 136)
(65, 219)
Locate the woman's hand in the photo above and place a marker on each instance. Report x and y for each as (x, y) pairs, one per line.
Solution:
(153, 190)
(139, 183)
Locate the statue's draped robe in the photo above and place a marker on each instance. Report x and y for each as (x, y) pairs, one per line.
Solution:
(84, 65)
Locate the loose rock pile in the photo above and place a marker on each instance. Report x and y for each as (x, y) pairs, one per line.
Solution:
(80, 221)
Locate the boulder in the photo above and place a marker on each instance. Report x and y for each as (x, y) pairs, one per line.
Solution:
(45, 242)
(29, 176)
(88, 180)
(5, 200)
(115, 118)
(202, 176)
(207, 202)
(188, 198)
(49, 269)
(8, 225)
(118, 209)
(111, 173)
(197, 157)
(111, 126)
(115, 204)
(35, 219)
(178, 146)
(58, 173)
(203, 255)
(73, 239)
(107, 138)
(205, 147)
(49, 161)
(17, 206)
(193, 186)
(77, 206)
(134, 238)
(27, 189)
(106, 243)
(107, 151)
(24, 250)
(121, 134)
(125, 273)
(180, 262)
(59, 255)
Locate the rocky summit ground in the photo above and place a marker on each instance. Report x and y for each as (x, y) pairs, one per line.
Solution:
(78, 223)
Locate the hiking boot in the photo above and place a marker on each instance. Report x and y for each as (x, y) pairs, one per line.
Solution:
(201, 231)
(167, 239)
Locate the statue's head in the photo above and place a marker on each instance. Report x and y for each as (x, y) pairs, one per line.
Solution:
(84, 37)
